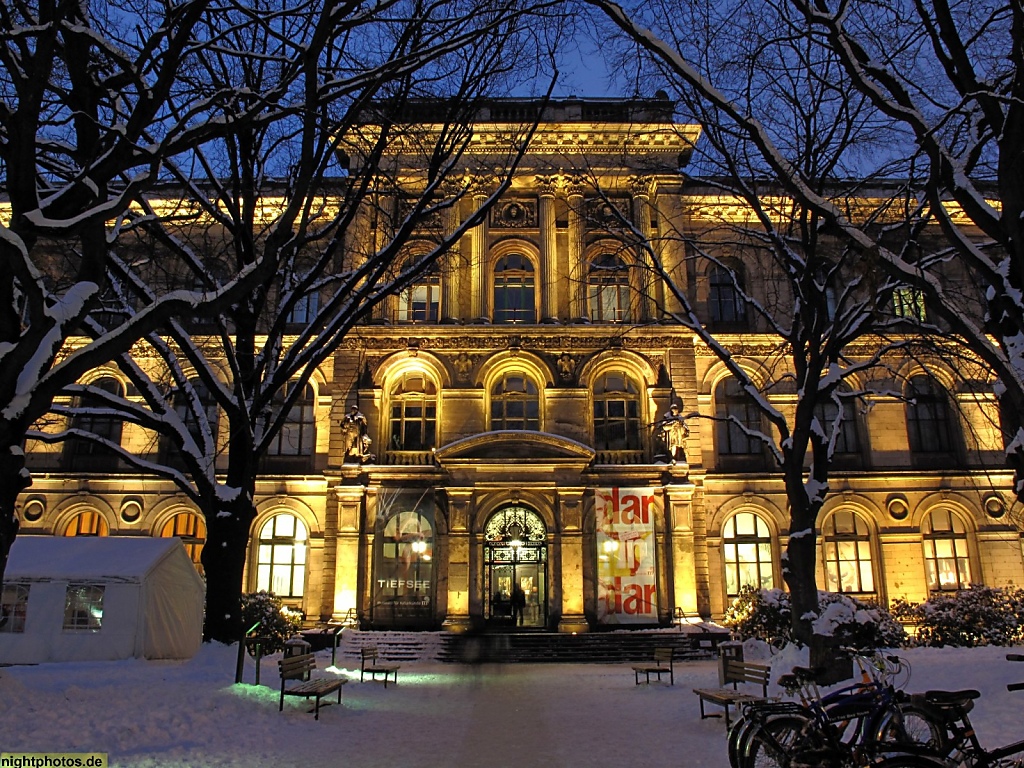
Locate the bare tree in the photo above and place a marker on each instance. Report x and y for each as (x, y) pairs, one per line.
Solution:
(383, 103)
(944, 84)
(85, 124)
(779, 260)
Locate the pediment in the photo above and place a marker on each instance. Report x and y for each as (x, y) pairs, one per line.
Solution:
(515, 446)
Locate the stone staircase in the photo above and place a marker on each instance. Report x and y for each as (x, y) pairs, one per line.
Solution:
(533, 647)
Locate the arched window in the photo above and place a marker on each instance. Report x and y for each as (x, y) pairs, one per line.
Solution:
(847, 553)
(514, 290)
(191, 529)
(195, 423)
(726, 306)
(616, 413)
(747, 551)
(85, 455)
(88, 523)
(908, 304)
(413, 414)
(421, 301)
(515, 403)
(608, 289)
(281, 556)
(735, 409)
(929, 418)
(946, 560)
(297, 436)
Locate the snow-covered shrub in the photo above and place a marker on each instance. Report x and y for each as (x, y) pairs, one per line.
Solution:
(766, 615)
(975, 616)
(760, 613)
(276, 627)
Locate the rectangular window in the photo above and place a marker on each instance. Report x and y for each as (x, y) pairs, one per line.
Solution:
(908, 303)
(13, 608)
(83, 608)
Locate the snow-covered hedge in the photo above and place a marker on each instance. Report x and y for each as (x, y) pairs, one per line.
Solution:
(971, 617)
(765, 614)
(276, 627)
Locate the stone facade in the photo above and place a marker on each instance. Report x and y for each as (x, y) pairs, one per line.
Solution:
(508, 393)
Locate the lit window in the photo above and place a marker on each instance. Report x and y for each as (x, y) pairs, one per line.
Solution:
(88, 523)
(847, 546)
(190, 528)
(281, 556)
(725, 297)
(421, 301)
(947, 562)
(736, 410)
(616, 413)
(908, 304)
(413, 414)
(514, 290)
(608, 289)
(929, 420)
(13, 608)
(83, 608)
(515, 403)
(297, 434)
(747, 545)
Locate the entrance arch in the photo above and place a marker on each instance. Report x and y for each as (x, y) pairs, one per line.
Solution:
(515, 556)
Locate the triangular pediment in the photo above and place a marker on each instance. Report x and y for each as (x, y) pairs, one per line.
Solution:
(515, 445)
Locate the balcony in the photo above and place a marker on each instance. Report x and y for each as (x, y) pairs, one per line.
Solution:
(620, 457)
(409, 458)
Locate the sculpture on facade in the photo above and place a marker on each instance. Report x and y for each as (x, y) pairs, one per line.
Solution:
(674, 432)
(356, 441)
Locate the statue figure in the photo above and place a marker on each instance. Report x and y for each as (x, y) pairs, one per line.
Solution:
(357, 442)
(674, 432)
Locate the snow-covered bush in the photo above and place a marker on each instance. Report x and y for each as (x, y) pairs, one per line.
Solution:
(766, 615)
(975, 616)
(276, 627)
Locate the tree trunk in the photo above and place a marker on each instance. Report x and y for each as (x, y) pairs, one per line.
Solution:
(14, 478)
(800, 564)
(227, 542)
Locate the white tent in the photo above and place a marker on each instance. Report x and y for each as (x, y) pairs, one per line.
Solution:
(96, 599)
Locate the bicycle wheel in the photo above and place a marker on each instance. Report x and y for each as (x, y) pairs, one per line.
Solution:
(738, 732)
(769, 746)
(912, 723)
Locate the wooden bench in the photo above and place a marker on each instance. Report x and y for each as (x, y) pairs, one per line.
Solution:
(371, 665)
(299, 668)
(734, 672)
(662, 662)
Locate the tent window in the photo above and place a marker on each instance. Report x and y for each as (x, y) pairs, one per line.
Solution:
(13, 607)
(83, 608)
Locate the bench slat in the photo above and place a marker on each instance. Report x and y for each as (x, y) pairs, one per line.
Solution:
(298, 667)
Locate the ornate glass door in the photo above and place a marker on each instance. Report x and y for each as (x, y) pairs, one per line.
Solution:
(515, 568)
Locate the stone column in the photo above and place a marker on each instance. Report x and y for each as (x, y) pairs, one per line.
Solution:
(451, 265)
(459, 506)
(570, 510)
(577, 269)
(548, 250)
(641, 189)
(679, 533)
(478, 305)
(351, 577)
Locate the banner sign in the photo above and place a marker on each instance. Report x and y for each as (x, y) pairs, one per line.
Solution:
(626, 552)
(404, 574)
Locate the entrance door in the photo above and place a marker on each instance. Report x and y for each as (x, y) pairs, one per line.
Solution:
(515, 560)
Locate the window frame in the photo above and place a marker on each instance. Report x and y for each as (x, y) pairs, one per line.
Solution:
(426, 400)
(630, 419)
(504, 280)
(80, 601)
(726, 306)
(765, 568)
(960, 548)
(608, 280)
(274, 545)
(510, 397)
(14, 597)
(832, 558)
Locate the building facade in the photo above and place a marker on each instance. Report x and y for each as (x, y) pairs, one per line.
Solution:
(523, 455)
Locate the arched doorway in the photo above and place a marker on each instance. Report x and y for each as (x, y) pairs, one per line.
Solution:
(515, 557)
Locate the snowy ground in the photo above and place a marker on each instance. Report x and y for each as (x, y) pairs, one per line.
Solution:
(150, 714)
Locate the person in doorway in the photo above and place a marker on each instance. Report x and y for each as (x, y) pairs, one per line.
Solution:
(518, 605)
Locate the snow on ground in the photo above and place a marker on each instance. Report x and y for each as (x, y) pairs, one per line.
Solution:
(148, 714)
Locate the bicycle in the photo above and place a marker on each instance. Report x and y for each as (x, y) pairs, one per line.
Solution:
(859, 724)
(965, 749)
